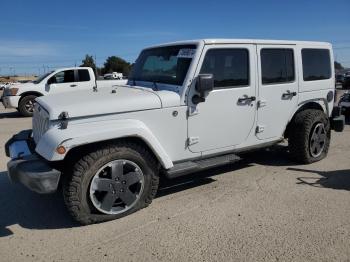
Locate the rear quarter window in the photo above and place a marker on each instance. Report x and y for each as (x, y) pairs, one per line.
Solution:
(316, 64)
(83, 75)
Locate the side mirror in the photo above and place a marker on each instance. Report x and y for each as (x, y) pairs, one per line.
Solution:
(205, 83)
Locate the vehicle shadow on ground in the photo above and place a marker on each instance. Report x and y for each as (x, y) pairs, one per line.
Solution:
(29, 210)
(10, 115)
(170, 186)
(338, 179)
(276, 155)
(20, 206)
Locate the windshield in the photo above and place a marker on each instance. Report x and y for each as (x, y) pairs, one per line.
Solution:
(42, 77)
(168, 65)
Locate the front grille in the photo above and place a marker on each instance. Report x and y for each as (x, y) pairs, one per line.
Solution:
(40, 122)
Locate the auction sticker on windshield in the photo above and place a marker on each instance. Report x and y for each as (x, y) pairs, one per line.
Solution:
(186, 53)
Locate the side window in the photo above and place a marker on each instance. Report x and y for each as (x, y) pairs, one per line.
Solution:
(316, 64)
(63, 77)
(230, 67)
(83, 75)
(277, 65)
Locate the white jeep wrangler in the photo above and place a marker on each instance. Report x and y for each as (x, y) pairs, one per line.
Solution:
(187, 106)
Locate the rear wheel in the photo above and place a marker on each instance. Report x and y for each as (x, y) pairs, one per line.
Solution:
(26, 105)
(112, 182)
(309, 137)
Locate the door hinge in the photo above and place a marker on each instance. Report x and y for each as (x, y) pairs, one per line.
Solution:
(262, 103)
(192, 140)
(260, 129)
(191, 111)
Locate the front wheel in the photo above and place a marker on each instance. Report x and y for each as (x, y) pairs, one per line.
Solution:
(309, 137)
(26, 105)
(111, 182)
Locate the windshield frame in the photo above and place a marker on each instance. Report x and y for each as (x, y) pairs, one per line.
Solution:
(136, 73)
(42, 77)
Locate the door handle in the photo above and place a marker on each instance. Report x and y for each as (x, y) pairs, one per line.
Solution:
(288, 94)
(73, 85)
(246, 99)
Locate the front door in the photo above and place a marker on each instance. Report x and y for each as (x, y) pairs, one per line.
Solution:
(278, 89)
(227, 115)
(63, 81)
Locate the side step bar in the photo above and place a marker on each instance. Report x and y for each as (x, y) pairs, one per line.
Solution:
(185, 168)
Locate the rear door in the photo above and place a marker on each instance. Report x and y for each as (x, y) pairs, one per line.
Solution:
(83, 79)
(278, 89)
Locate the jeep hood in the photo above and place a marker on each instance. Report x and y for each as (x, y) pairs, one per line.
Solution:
(114, 100)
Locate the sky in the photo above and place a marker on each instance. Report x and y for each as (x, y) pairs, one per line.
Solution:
(39, 35)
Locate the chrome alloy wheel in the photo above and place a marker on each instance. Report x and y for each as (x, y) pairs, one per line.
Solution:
(29, 105)
(117, 187)
(318, 140)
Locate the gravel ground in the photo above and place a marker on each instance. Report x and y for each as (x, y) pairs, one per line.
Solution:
(265, 208)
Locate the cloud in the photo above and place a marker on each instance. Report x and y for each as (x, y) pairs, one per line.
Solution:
(25, 49)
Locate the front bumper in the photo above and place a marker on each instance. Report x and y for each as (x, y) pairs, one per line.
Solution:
(27, 167)
(10, 101)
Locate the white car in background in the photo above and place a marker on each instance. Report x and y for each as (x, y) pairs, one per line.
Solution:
(22, 96)
(114, 75)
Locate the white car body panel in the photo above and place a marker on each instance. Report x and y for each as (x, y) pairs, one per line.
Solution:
(168, 135)
(75, 136)
(125, 99)
(10, 101)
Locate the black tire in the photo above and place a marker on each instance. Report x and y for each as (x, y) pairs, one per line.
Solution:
(77, 185)
(301, 130)
(26, 105)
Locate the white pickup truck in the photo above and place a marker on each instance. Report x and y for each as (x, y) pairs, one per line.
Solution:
(22, 96)
(187, 106)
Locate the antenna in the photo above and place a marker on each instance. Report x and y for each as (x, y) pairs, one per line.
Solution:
(96, 75)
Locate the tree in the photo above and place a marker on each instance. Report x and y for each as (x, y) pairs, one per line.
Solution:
(338, 66)
(89, 61)
(116, 64)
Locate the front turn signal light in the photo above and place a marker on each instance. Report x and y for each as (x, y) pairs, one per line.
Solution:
(61, 150)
